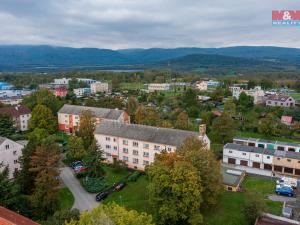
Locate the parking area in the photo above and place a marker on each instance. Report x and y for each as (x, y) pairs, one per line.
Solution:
(295, 205)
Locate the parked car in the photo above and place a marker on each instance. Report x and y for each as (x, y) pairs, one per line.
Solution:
(284, 190)
(80, 169)
(287, 211)
(101, 196)
(119, 186)
(288, 181)
(76, 164)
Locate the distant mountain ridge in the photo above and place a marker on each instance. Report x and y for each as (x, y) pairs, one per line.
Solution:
(26, 57)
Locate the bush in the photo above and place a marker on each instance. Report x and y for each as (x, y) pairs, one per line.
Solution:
(82, 174)
(93, 185)
(134, 176)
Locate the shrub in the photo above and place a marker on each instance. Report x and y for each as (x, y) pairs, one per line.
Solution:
(82, 174)
(93, 185)
(134, 176)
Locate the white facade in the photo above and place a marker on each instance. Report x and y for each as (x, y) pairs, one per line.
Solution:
(10, 152)
(87, 81)
(257, 93)
(24, 122)
(99, 87)
(79, 92)
(159, 87)
(202, 86)
(62, 81)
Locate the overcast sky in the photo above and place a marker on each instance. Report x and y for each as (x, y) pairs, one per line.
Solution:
(145, 23)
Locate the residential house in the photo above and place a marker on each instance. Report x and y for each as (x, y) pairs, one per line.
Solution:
(280, 100)
(268, 144)
(13, 97)
(99, 87)
(205, 85)
(159, 87)
(137, 145)
(20, 114)
(10, 152)
(79, 92)
(9, 217)
(61, 91)
(287, 120)
(257, 93)
(283, 162)
(69, 116)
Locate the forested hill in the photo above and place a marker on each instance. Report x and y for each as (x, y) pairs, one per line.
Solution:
(22, 57)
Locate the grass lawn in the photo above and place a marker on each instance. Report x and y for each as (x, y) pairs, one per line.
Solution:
(257, 135)
(133, 196)
(113, 176)
(131, 86)
(66, 198)
(295, 95)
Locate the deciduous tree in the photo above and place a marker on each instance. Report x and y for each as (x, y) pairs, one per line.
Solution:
(6, 125)
(223, 128)
(182, 121)
(87, 128)
(76, 150)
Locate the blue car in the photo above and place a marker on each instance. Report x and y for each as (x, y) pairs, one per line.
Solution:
(284, 190)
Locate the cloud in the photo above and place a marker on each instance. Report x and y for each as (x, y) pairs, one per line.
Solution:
(145, 23)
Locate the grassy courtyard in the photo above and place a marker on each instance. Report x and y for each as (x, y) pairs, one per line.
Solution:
(228, 210)
(65, 198)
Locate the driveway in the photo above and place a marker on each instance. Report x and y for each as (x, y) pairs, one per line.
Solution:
(280, 198)
(83, 200)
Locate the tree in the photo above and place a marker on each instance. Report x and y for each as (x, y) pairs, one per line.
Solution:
(87, 128)
(132, 106)
(76, 150)
(223, 128)
(195, 151)
(166, 124)
(189, 98)
(6, 125)
(230, 107)
(269, 125)
(115, 83)
(174, 190)
(254, 207)
(147, 116)
(245, 102)
(43, 97)
(182, 121)
(42, 117)
(9, 191)
(112, 214)
(63, 216)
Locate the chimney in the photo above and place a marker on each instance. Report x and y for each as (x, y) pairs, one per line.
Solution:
(202, 130)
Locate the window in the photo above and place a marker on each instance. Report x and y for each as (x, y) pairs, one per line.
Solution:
(108, 154)
(135, 161)
(291, 150)
(135, 152)
(145, 162)
(15, 161)
(278, 159)
(115, 148)
(288, 160)
(146, 154)
(256, 155)
(125, 150)
(135, 144)
(145, 145)
(14, 152)
(156, 147)
(115, 139)
(244, 153)
(280, 148)
(107, 146)
(125, 158)
(230, 151)
(268, 157)
(125, 142)
(107, 138)
(169, 149)
(6, 146)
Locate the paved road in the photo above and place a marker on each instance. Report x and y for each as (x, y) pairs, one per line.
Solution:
(83, 200)
(280, 198)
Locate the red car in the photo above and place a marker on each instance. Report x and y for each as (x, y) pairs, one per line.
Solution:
(81, 169)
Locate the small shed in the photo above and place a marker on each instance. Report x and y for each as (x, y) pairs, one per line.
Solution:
(232, 178)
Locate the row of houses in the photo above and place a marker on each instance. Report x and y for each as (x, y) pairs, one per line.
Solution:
(278, 157)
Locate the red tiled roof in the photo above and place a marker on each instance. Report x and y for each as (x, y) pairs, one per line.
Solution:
(287, 119)
(8, 217)
(16, 111)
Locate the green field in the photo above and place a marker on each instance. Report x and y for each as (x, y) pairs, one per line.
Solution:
(295, 95)
(131, 86)
(228, 211)
(113, 176)
(65, 198)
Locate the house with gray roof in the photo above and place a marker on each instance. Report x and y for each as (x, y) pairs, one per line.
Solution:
(69, 116)
(280, 100)
(137, 145)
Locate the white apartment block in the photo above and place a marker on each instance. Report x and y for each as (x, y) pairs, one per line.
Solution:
(99, 87)
(257, 93)
(10, 152)
(69, 116)
(79, 92)
(202, 85)
(20, 114)
(62, 81)
(86, 80)
(159, 87)
(137, 145)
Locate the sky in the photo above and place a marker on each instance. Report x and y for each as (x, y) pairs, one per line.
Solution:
(119, 24)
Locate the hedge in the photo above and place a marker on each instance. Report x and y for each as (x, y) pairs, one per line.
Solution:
(93, 185)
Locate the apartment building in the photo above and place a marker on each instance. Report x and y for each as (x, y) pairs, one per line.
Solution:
(79, 92)
(283, 162)
(62, 81)
(86, 80)
(69, 116)
(137, 145)
(159, 87)
(61, 91)
(10, 152)
(205, 85)
(280, 100)
(20, 114)
(257, 93)
(267, 144)
(99, 87)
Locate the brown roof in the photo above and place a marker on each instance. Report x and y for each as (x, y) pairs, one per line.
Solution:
(8, 217)
(16, 111)
(280, 98)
